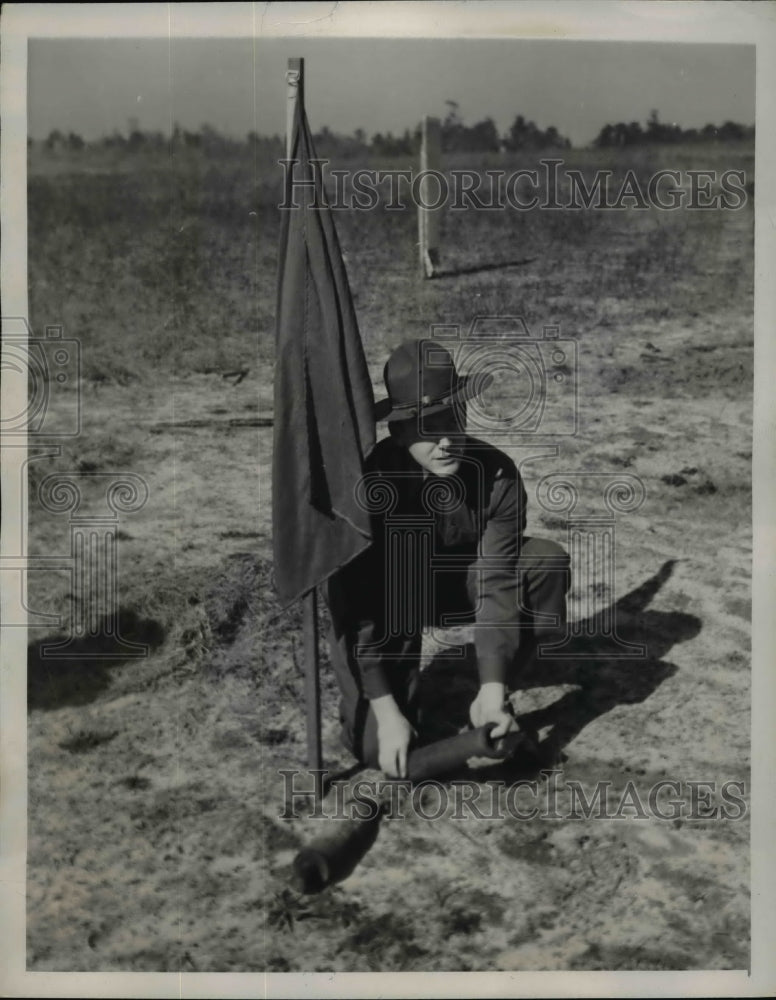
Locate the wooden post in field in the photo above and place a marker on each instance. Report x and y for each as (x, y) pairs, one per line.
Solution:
(312, 687)
(294, 93)
(429, 194)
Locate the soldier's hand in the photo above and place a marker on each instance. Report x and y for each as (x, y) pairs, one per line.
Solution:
(394, 734)
(489, 706)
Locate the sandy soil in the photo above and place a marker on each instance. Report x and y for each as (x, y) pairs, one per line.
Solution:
(155, 842)
(155, 835)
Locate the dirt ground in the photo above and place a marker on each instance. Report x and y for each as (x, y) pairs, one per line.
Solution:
(154, 829)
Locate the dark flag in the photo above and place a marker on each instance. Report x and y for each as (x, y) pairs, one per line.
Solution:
(324, 406)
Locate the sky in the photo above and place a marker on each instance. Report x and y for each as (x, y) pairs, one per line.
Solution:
(95, 86)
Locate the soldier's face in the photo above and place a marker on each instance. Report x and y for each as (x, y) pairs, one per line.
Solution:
(437, 444)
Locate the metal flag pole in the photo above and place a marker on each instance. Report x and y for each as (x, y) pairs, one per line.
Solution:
(312, 687)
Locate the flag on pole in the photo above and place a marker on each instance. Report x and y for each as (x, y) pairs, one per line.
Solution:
(324, 407)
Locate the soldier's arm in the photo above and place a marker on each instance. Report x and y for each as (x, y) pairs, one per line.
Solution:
(496, 574)
(357, 602)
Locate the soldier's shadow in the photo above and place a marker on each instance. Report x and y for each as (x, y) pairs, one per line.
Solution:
(54, 681)
(602, 678)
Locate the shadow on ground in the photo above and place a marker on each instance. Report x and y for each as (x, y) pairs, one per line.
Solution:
(77, 678)
(603, 680)
(478, 268)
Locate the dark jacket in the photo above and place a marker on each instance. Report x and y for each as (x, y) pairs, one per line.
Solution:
(441, 545)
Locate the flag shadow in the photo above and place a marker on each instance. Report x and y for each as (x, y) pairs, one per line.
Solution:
(601, 680)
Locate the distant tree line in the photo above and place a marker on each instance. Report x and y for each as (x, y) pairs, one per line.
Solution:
(481, 137)
(456, 136)
(136, 140)
(657, 132)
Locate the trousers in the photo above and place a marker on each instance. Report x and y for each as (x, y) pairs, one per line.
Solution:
(540, 613)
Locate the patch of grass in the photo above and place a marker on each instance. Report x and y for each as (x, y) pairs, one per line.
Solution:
(176, 236)
(386, 940)
(632, 959)
(168, 270)
(86, 740)
(135, 783)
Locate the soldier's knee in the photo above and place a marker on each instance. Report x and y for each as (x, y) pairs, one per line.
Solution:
(545, 548)
(546, 569)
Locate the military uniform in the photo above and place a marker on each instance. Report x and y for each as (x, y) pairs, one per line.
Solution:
(445, 550)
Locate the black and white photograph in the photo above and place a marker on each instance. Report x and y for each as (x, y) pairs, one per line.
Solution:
(387, 551)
